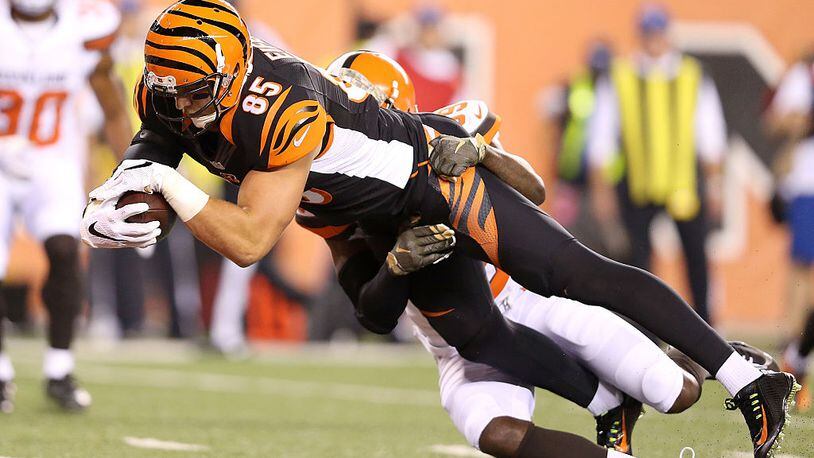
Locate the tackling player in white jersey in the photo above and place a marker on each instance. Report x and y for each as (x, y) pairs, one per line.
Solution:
(51, 50)
(493, 410)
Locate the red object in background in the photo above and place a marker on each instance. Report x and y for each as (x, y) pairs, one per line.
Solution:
(273, 316)
(436, 76)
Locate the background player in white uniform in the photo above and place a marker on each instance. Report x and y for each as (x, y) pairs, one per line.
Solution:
(51, 50)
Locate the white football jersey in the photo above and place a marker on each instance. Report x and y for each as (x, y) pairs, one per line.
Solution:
(44, 68)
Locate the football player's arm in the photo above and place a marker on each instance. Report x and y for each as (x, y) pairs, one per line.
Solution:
(378, 296)
(379, 291)
(108, 89)
(516, 172)
(451, 156)
(246, 231)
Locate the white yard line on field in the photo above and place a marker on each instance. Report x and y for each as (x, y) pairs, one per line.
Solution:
(455, 450)
(223, 383)
(733, 454)
(157, 444)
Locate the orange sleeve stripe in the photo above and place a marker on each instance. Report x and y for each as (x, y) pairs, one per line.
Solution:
(330, 139)
(498, 282)
(99, 44)
(270, 115)
(327, 232)
(300, 130)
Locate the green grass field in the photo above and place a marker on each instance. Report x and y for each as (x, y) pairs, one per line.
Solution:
(366, 401)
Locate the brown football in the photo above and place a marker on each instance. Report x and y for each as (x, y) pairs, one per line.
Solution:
(159, 210)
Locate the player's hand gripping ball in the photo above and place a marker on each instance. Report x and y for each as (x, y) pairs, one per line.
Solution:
(105, 226)
(419, 247)
(159, 210)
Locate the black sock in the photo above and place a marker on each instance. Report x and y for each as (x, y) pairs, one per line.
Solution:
(807, 339)
(62, 290)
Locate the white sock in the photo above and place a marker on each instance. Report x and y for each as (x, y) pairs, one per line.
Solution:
(606, 398)
(57, 363)
(615, 454)
(6, 369)
(736, 373)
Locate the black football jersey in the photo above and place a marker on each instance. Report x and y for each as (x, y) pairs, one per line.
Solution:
(371, 161)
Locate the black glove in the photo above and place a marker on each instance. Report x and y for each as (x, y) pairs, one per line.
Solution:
(419, 247)
(450, 156)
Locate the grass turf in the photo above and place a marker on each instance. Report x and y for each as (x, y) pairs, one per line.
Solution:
(366, 401)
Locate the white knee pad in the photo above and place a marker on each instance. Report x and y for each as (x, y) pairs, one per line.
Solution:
(661, 383)
(636, 366)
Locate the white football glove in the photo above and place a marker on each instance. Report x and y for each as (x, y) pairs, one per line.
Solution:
(151, 177)
(104, 226)
(132, 175)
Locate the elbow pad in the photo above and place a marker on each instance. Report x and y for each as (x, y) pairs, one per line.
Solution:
(154, 147)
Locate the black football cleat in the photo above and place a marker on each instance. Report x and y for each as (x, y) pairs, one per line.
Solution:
(765, 405)
(7, 391)
(614, 429)
(68, 394)
(759, 358)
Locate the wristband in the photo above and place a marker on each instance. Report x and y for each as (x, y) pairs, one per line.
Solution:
(183, 196)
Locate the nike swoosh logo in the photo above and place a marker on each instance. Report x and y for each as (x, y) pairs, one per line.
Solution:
(764, 433)
(401, 250)
(480, 112)
(298, 141)
(93, 231)
(140, 166)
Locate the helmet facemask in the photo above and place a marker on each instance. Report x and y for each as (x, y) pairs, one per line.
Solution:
(356, 80)
(208, 92)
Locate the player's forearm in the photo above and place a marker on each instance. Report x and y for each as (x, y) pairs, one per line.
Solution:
(516, 172)
(378, 296)
(235, 232)
(382, 301)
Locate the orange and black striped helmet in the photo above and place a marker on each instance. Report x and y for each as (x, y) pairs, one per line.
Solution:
(199, 50)
(380, 75)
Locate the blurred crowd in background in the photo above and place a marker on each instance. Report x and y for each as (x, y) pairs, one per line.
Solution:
(672, 155)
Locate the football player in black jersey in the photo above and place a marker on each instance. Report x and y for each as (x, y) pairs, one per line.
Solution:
(279, 126)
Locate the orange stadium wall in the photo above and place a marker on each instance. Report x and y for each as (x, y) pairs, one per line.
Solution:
(538, 44)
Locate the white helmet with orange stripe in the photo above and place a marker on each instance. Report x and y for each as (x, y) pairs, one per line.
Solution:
(377, 74)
